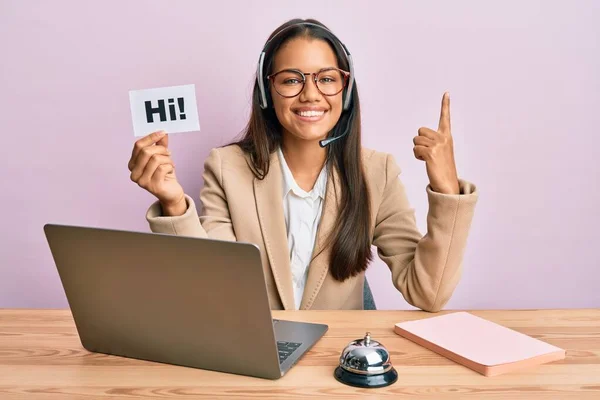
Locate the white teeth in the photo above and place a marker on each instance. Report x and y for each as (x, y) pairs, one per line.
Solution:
(310, 113)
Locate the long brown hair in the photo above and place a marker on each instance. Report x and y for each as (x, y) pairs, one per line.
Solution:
(351, 249)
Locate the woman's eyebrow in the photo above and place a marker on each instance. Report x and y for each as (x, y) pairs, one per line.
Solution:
(299, 69)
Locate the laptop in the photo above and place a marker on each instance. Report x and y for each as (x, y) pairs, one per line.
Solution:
(179, 300)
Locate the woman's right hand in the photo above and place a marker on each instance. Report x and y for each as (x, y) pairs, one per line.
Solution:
(152, 168)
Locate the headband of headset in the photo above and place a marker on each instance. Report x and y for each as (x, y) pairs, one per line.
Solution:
(260, 74)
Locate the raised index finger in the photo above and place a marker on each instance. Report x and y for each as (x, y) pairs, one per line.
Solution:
(444, 126)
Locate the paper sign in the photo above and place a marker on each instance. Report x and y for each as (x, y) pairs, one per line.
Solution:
(172, 109)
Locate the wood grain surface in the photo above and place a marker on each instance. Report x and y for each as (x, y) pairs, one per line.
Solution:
(41, 357)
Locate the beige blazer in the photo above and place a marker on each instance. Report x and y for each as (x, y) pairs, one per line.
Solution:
(238, 206)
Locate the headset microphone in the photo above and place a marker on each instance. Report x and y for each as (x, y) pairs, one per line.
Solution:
(327, 142)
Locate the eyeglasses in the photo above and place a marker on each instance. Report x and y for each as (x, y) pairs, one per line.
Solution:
(290, 82)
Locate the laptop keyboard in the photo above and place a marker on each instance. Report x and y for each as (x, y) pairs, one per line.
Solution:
(286, 349)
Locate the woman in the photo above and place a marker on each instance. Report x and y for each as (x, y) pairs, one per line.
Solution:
(301, 187)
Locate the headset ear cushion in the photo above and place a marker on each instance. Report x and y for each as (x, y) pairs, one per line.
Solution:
(344, 97)
(268, 95)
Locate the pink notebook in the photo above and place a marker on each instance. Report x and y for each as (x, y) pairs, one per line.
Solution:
(479, 344)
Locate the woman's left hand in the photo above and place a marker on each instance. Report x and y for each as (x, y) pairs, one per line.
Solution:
(437, 150)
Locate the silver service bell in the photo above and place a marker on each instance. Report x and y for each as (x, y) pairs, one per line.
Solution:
(365, 363)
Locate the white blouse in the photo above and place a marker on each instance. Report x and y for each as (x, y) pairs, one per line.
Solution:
(302, 212)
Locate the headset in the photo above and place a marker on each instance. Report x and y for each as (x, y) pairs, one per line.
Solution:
(347, 91)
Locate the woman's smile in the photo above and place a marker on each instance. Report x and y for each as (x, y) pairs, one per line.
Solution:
(310, 114)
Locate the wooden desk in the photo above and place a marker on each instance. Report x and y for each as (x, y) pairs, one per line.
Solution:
(41, 358)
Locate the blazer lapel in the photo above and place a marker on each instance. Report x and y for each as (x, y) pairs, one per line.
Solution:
(269, 204)
(319, 266)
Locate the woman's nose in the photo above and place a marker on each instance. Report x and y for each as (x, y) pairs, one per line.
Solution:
(310, 92)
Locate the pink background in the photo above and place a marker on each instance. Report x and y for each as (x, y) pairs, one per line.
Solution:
(525, 88)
